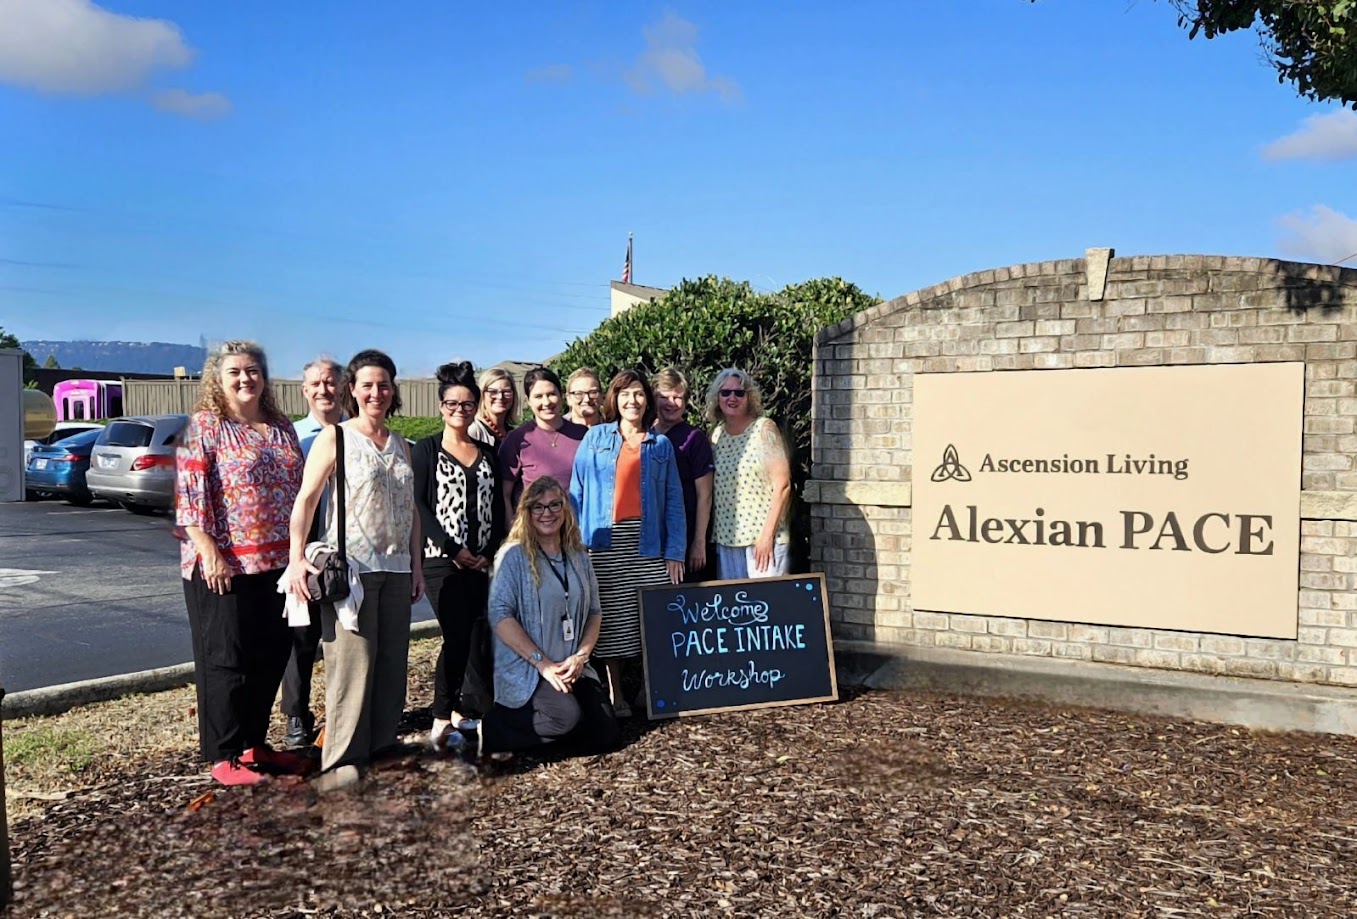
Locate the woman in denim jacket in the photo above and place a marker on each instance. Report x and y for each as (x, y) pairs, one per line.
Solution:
(626, 492)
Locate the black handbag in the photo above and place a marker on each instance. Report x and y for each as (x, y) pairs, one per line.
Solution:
(331, 584)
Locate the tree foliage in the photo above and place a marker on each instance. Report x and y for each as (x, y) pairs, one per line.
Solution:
(9, 341)
(710, 323)
(1310, 43)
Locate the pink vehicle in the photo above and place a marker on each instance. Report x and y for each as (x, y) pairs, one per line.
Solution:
(83, 400)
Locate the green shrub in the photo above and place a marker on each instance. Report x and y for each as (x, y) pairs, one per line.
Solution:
(708, 324)
(415, 428)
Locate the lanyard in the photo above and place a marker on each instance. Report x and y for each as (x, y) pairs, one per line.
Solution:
(563, 578)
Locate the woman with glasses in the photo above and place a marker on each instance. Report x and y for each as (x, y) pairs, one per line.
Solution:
(584, 392)
(626, 490)
(753, 480)
(546, 446)
(544, 609)
(457, 494)
(499, 407)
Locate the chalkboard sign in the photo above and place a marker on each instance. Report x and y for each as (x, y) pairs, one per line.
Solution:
(728, 645)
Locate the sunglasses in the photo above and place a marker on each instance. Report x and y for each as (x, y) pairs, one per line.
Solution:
(541, 510)
(732, 393)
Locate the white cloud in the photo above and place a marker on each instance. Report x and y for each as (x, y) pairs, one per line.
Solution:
(671, 63)
(77, 48)
(1324, 235)
(553, 73)
(73, 46)
(1321, 137)
(192, 105)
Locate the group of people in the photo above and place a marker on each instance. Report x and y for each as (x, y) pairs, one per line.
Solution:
(531, 541)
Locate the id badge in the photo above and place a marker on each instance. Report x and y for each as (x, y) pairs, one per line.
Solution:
(568, 629)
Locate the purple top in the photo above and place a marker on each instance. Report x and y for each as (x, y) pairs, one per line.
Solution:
(530, 452)
(692, 451)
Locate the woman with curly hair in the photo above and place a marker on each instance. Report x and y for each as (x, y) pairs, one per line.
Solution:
(239, 468)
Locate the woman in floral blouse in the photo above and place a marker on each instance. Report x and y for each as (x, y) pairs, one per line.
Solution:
(239, 469)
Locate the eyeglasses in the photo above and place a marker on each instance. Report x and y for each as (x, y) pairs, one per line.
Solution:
(732, 393)
(467, 407)
(585, 394)
(541, 510)
(500, 393)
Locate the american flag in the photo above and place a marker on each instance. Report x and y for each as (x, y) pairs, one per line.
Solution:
(626, 266)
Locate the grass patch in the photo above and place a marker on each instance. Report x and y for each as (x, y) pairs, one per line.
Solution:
(48, 749)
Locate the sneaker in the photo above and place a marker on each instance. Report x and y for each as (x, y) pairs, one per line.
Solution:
(234, 772)
(467, 724)
(447, 739)
(298, 731)
(285, 762)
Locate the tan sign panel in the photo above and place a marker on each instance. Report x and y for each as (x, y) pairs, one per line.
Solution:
(1163, 497)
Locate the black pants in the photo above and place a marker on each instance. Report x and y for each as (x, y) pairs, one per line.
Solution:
(462, 676)
(584, 717)
(240, 647)
(302, 661)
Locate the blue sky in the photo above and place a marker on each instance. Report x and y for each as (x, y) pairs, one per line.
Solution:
(445, 179)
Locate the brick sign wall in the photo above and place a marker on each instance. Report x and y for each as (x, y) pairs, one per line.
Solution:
(1086, 313)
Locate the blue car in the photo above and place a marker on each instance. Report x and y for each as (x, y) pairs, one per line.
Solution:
(60, 468)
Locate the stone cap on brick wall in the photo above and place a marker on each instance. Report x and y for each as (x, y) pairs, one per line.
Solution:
(1306, 271)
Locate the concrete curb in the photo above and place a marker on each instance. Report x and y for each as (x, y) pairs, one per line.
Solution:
(1261, 704)
(53, 700)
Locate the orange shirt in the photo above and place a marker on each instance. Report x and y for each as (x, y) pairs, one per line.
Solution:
(627, 486)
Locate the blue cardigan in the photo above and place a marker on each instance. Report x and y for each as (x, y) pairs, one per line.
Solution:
(664, 532)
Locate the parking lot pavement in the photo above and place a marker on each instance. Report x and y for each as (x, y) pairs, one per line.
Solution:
(89, 592)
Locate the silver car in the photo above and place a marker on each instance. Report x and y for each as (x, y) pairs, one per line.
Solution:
(133, 462)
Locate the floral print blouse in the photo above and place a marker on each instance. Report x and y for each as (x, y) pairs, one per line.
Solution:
(238, 486)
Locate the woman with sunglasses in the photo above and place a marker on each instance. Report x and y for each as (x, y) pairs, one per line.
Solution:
(544, 609)
(457, 495)
(753, 480)
(499, 407)
(627, 492)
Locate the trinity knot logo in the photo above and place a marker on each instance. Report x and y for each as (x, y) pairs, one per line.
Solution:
(950, 467)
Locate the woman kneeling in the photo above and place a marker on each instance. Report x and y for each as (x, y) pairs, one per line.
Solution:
(545, 613)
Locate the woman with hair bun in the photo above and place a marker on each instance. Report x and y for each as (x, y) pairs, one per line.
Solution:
(499, 407)
(457, 494)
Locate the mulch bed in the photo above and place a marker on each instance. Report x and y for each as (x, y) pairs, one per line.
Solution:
(882, 805)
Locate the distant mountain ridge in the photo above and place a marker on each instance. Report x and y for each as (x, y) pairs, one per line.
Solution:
(125, 356)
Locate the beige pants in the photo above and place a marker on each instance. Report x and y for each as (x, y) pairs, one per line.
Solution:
(365, 672)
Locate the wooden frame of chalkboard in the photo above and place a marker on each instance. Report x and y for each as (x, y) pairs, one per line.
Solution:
(741, 645)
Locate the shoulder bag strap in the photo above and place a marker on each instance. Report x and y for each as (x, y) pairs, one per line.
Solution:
(339, 492)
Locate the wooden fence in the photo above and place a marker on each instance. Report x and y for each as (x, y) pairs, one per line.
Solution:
(169, 397)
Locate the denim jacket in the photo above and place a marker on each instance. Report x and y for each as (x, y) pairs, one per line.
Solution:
(663, 529)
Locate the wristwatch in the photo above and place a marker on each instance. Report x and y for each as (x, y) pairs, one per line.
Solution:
(537, 657)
